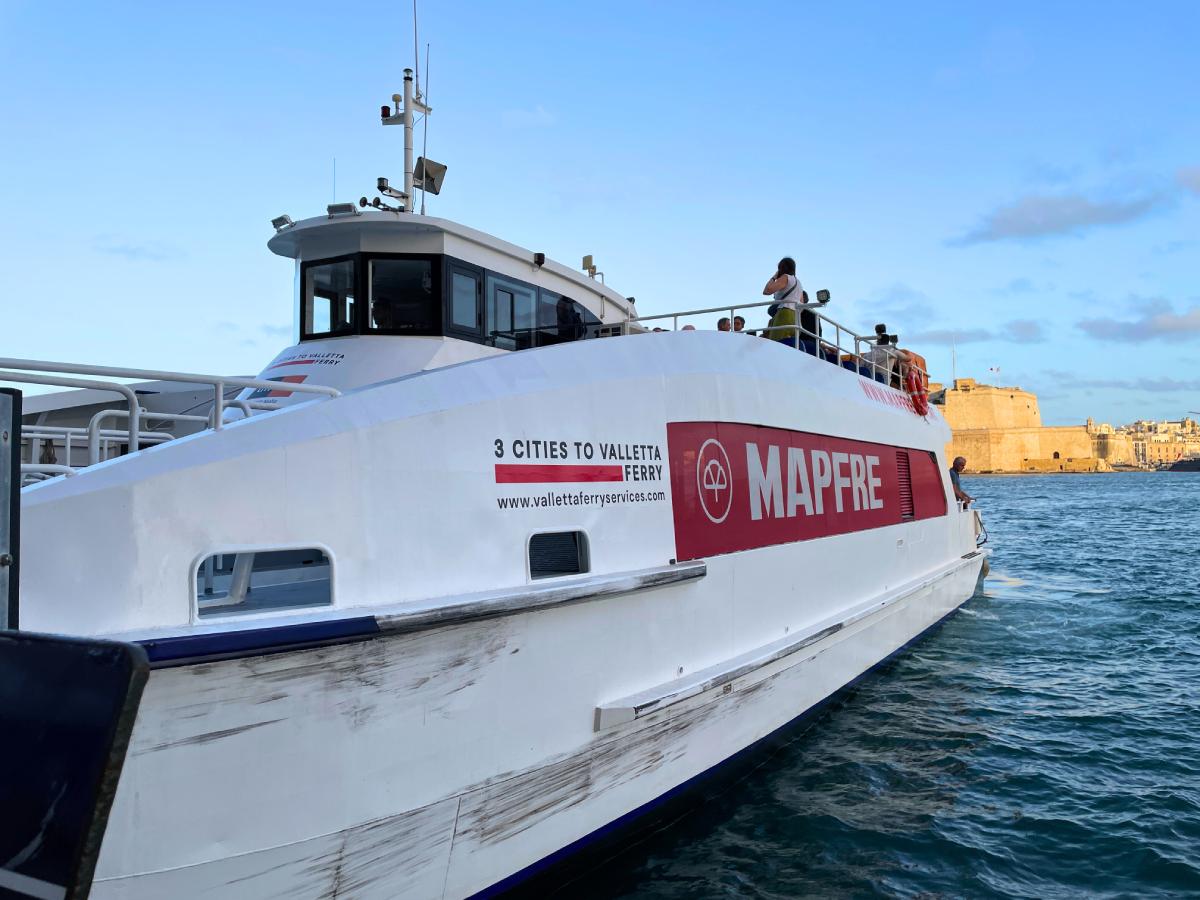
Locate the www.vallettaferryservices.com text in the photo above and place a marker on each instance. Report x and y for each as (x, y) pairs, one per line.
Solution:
(579, 498)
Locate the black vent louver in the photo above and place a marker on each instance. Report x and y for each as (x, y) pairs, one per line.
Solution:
(907, 511)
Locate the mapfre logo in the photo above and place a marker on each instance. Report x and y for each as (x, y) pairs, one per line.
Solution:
(737, 486)
(714, 480)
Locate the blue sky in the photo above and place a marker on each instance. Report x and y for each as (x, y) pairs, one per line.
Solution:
(1022, 180)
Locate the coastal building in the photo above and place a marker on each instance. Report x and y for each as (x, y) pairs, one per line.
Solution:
(1165, 442)
(999, 429)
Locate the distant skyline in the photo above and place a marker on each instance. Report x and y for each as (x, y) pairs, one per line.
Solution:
(1020, 183)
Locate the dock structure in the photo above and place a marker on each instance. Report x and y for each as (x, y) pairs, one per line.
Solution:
(10, 503)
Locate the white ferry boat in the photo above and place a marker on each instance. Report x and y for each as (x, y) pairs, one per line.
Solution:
(482, 567)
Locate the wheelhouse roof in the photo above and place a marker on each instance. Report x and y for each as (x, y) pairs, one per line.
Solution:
(382, 232)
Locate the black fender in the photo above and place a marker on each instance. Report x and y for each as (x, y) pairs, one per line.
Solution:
(67, 708)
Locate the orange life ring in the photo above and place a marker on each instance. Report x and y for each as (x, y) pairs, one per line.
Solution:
(914, 385)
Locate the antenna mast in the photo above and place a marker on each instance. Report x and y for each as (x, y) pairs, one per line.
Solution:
(409, 102)
(425, 123)
(427, 173)
(403, 115)
(416, 51)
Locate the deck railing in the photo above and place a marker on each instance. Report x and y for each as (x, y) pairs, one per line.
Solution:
(70, 375)
(835, 344)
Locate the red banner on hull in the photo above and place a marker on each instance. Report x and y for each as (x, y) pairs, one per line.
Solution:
(737, 487)
(532, 473)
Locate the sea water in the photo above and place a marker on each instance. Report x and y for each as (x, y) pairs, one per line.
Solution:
(1044, 742)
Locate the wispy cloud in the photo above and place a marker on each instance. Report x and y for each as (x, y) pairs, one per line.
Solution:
(1021, 331)
(248, 333)
(1158, 320)
(1160, 385)
(143, 251)
(1024, 331)
(947, 336)
(1189, 177)
(1043, 215)
(898, 301)
(1173, 247)
(538, 117)
(1051, 174)
(1016, 286)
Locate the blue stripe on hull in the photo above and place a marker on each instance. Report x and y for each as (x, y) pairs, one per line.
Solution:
(554, 869)
(193, 648)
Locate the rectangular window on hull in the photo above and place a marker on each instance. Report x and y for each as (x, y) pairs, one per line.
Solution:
(556, 553)
(404, 298)
(329, 302)
(261, 581)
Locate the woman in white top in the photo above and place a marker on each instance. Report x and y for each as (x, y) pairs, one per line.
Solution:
(788, 294)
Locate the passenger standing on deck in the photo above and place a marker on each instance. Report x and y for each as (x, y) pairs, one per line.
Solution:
(724, 324)
(962, 496)
(738, 323)
(788, 295)
(882, 359)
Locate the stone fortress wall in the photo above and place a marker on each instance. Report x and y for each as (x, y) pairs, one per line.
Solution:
(999, 429)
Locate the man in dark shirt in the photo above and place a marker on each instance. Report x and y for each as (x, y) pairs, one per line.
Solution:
(962, 496)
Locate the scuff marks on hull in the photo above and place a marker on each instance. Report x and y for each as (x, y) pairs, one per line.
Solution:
(352, 680)
(399, 856)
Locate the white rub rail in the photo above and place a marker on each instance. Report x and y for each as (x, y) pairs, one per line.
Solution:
(60, 374)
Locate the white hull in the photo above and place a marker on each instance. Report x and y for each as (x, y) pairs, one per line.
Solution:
(440, 762)
(350, 771)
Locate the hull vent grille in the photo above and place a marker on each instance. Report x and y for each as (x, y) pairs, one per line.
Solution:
(906, 493)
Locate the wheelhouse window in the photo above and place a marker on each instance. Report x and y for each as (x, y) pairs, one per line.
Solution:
(329, 299)
(404, 297)
(464, 300)
(511, 313)
(395, 294)
(561, 320)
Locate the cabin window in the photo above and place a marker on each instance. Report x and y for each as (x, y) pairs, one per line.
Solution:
(404, 298)
(511, 314)
(259, 581)
(556, 553)
(464, 300)
(413, 294)
(561, 319)
(329, 299)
